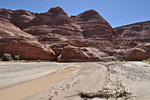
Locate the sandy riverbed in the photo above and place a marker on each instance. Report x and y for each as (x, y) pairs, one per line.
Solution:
(14, 73)
(64, 81)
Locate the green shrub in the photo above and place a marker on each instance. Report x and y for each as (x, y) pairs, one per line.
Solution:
(120, 59)
(17, 57)
(7, 57)
(147, 61)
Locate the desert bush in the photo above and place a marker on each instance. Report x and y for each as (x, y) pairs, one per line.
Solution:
(147, 60)
(120, 59)
(17, 57)
(6, 57)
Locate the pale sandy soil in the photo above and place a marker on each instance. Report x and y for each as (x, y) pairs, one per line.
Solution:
(90, 77)
(29, 88)
(13, 73)
(68, 77)
(134, 76)
(64, 81)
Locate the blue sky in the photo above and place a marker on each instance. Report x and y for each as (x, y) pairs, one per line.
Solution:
(116, 12)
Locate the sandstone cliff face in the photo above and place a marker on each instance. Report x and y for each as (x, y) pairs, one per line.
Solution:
(94, 26)
(17, 42)
(55, 21)
(139, 32)
(6, 14)
(137, 54)
(135, 40)
(96, 30)
(54, 28)
(71, 53)
(54, 35)
(19, 17)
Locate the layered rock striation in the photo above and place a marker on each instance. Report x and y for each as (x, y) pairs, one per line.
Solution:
(55, 36)
(17, 42)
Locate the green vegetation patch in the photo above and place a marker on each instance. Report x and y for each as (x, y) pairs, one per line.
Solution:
(8, 57)
(17, 57)
(147, 61)
(121, 59)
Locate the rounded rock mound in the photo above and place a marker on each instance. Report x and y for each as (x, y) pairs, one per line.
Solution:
(17, 42)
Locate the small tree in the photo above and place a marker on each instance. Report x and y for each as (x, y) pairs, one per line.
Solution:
(7, 57)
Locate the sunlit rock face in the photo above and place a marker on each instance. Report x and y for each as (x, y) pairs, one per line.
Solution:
(53, 35)
(139, 32)
(94, 25)
(17, 42)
